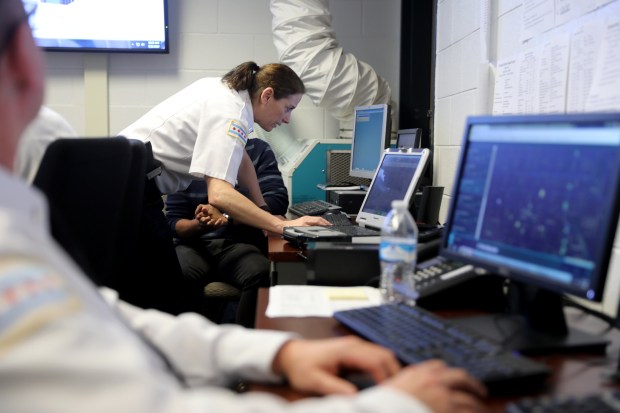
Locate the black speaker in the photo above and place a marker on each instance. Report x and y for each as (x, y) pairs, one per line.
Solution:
(427, 210)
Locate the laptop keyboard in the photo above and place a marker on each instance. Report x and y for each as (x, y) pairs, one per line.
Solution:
(337, 218)
(340, 221)
(415, 335)
(356, 230)
(315, 207)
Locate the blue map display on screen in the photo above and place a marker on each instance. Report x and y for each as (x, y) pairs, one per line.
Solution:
(537, 204)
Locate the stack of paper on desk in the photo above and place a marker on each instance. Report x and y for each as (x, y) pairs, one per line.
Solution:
(318, 301)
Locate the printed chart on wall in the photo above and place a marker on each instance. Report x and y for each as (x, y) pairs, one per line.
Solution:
(569, 60)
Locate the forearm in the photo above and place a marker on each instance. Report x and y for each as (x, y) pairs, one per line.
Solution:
(224, 197)
(247, 179)
(186, 228)
(212, 354)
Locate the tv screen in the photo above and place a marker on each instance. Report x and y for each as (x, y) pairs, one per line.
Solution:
(136, 26)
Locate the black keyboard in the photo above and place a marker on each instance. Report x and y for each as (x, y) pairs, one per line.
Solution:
(439, 273)
(341, 184)
(608, 402)
(415, 335)
(356, 230)
(340, 219)
(341, 222)
(316, 207)
(337, 218)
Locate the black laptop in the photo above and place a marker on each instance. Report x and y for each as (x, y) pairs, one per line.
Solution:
(396, 177)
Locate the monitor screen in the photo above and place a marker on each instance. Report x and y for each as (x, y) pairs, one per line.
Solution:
(536, 199)
(137, 26)
(409, 138)
(397, 177)
(371, 136)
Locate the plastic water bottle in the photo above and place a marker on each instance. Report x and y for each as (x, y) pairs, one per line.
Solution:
(398, 255)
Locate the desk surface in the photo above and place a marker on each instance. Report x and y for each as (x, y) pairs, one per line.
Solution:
(572, 375)
(281, 250)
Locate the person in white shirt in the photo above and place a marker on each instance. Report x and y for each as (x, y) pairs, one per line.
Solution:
(201, 131)
(48, 126)
(67, 347)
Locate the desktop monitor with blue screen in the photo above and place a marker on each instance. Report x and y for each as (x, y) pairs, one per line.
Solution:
(371, 136)
(536, 200)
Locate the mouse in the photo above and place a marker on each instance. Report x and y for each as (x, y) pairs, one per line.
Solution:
(359, 379)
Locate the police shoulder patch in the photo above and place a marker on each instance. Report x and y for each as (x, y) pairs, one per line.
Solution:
(31, 295)
(237, 131)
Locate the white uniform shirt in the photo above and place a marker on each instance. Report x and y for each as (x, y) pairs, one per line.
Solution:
(63, 349)
(201, 130)
(43, 130)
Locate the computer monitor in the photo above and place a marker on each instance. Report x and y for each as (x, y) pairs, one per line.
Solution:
(536, 199)
(371, 136)
(409, 138)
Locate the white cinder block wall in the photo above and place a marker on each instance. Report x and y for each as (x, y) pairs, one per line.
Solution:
(460, 75)
(209, 37)
(459, 92)
(456, 85)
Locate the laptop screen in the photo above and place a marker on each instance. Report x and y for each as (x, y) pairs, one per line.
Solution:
(397, 177)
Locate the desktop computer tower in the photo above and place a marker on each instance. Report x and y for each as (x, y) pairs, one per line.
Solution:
(338, 164)
(349, 200)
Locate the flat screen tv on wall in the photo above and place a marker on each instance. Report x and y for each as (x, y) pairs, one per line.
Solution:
(134, 26)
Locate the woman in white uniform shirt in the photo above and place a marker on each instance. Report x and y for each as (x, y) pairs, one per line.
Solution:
(201, 131)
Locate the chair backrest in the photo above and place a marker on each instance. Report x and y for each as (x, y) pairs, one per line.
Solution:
(102, 214)
(88, 183)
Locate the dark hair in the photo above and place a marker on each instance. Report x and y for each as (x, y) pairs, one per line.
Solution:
(249, 76)
(12, 14)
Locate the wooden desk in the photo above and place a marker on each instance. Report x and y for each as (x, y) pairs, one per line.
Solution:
(281, 250)
(572, 375)
(288, 265)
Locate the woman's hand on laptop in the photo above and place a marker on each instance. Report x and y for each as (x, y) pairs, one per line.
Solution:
(307, 221)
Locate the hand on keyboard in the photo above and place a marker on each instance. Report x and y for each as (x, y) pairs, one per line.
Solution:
(416, 335)
(313, 365)
(306, 221)
(442, 388)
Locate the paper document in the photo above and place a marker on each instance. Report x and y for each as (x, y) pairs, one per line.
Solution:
(318, 301)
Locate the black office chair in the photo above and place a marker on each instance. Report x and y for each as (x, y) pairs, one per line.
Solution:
(96, 191)
(86, 181)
